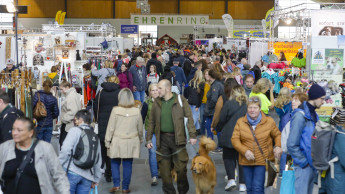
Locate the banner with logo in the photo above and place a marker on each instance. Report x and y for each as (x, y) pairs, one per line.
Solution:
(268, 17)
(129, 29)
(249, 33)
(170, 20)
(290, 49)
(327, 22)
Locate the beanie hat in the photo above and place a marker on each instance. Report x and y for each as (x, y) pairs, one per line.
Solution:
(153, 55)
(315, 92)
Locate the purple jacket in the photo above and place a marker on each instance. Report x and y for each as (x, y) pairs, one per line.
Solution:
(125, 82)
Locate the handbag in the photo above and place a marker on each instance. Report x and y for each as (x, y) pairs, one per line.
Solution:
(95, 124)
(287, 185)
(40, 109)
(174, 88)
(271, 170)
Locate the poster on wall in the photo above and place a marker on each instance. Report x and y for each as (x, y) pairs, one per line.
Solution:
(327, 22)
(328, 75)
(290, 49)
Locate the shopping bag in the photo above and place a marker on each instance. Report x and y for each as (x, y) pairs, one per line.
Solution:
(94, 191)
(271, 174)
(287, 185)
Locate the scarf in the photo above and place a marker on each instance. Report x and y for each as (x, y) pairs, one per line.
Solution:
(254, 122)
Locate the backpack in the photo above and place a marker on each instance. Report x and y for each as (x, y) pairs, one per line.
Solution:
(285, 134)
(251, 73)
(85, 155)
(40, 110)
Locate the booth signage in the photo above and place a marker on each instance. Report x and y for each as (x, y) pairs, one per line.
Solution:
(129, 29)
(290, 49)
(170, 20)
(249, 33)
(327, 22)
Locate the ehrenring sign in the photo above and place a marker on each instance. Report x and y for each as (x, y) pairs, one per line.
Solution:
(170, 20)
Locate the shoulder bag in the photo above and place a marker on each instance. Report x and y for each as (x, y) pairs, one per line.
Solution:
(40, 109)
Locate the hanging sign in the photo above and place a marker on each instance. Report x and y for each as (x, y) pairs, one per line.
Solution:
(129, 29)
(268, 17)
(327, 22)
(290, 49)
(170, 20)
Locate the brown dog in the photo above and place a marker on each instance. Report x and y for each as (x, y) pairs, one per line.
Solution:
(203, 169)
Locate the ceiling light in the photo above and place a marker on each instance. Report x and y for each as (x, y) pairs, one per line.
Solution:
(288, 21)
(11, 8)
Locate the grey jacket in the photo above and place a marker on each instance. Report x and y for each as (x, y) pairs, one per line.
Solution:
(216, 90)
(70, 143)
(51, 177)
(102, 74)
(69, 107)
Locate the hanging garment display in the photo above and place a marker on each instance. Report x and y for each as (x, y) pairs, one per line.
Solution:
(274, 78)
(38, 60)
(8, 47)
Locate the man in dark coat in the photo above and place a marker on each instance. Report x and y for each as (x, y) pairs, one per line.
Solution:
(257, 71)
(154, 61)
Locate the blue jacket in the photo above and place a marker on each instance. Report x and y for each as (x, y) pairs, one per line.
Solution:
(180, 76)
(191, 74)
(284, 115)
(137, 82)
(51, 105)
(299, 140)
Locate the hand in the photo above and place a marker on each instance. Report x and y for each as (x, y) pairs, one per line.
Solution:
(196, 109)
(277, 152)
(249, 155)
(149, 145)
(134, 88)
(192, 141)
(272, 88)
(94, 184)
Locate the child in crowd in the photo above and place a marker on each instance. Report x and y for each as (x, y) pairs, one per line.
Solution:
(248, 83)
(238, 76)
(153, 76)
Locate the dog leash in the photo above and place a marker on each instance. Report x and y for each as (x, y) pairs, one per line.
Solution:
(168, 155)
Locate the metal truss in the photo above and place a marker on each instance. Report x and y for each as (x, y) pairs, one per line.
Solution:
(105, 29)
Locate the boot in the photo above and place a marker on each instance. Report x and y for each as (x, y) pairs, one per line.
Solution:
(107, 175)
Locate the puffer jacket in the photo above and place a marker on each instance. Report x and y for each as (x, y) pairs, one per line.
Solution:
(266, 132)
(107, 100)
(139, 80)
(69, 107)
(178, 114)
(299, 140)
(50, 102)
(216, 90)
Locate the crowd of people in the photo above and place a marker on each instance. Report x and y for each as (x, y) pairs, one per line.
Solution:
(146, 96)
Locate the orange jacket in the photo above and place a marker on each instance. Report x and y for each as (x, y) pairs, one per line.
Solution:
(266, 132)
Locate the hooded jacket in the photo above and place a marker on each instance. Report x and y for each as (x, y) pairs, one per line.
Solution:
(69, 107)
(179, 75)
(50, 102)
(107, 99)
(7, 118)
(299, 140)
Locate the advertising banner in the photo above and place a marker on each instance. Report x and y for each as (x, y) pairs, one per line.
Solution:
(290, 49)
(327, 22)
(170, 20)
(327, 71)
(249, 33)
(129, 29)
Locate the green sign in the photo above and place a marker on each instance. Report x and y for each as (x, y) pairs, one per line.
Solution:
(170, 20)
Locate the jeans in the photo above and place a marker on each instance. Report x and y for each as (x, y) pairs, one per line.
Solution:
(255, 179)
(44, 133)
(139, 95)
(152, 158)
(196, 116)
(78, 184)
(304, 182)
(208, 126)
(283, 161)
(202, 119)
(126, 172)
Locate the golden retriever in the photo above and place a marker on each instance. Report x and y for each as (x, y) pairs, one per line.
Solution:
(203, 169)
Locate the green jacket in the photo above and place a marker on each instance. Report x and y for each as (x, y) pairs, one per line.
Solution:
(178, 114)
(149, 103)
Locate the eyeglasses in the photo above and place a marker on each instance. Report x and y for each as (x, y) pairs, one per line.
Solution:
(254, 99)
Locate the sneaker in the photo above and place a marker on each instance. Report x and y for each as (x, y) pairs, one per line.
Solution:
(243, 188)
(154, 181)
(231, 185)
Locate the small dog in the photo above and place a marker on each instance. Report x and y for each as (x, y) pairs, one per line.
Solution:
(203, 169)
(332, 64)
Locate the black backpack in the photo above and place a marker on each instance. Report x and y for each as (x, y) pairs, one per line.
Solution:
(86, 151)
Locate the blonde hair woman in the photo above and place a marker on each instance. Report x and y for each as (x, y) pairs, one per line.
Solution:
(122, 139)
(233, 109)
(253, 154)
(259, 90)
(103, 73)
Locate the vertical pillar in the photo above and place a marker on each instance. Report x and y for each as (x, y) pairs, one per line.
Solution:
(178, 6)
(114, 9)
(66, 8)
(226, 6)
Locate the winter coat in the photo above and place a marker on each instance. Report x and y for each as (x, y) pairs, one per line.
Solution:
(155, 62)
(124, 133)
(257, 73)
(178, 114)
(139, 81)
(102, 75)
(50, 102)
(284, 115)
(216, 90)
(299, 140)
(126, 79)
(7, 118)
(51, 177)
(94, 174)
(69, 107)
(107, 100)
(231, 112)
(187, 67)
(179, 75)
(194, 95)
(266, 132)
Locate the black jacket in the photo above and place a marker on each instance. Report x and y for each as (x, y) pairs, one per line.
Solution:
(193, 96)
(216, 90)
(7, 118)
(50, 102)
(158, 65)
(107, 100)
(231, 112)
(187, 67)
(257, 73)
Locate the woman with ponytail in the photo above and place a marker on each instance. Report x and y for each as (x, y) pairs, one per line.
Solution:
(45, 124)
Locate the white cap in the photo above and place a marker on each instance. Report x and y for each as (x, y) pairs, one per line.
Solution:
(9, 61)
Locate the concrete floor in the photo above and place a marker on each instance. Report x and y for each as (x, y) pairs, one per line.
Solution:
(141, 178)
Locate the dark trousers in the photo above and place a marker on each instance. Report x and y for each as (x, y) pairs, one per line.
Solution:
(63, 134)
(178, 162)
(105, 158)
(230, 158)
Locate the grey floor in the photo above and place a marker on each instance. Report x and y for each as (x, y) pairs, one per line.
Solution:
(141, 178)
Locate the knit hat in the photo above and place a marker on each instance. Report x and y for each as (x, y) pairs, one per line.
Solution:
(315, 92)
